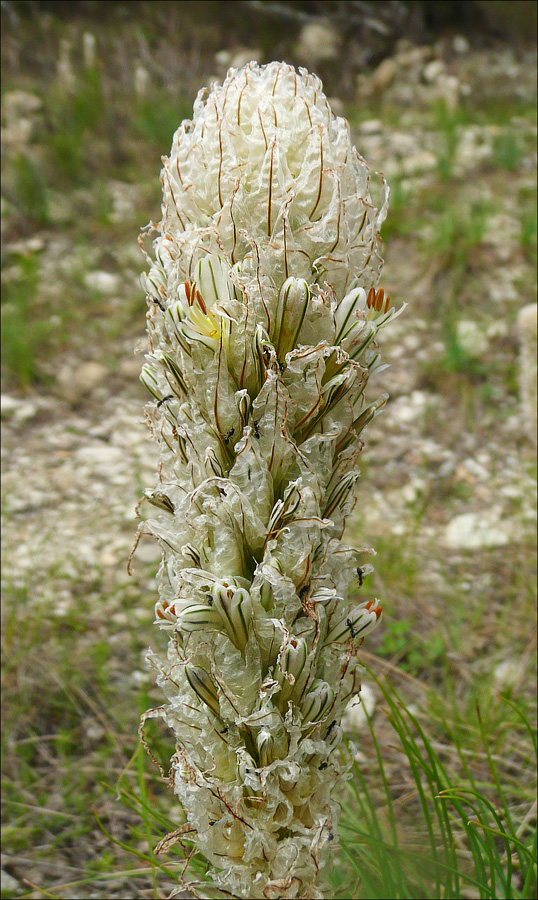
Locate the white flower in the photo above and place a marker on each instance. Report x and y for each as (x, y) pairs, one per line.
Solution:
(262, 324)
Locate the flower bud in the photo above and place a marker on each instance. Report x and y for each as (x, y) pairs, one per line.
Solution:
(317, 702)
(356, 624)
(150, 379)
(292, 670)
(345, 316)
(235, 608)
(198, 617)
(265, 743)
(213, 281)
(204, 687)
(290, 313)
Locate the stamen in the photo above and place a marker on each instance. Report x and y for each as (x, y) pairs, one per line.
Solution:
(371, 297)
(188, 292)
(379, 299)
(201, 303)
(387, 303)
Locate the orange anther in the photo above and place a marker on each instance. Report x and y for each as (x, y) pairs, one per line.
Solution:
(379, 299)
(201, 303)
(188, 292)
(387, 303)
(371, 297)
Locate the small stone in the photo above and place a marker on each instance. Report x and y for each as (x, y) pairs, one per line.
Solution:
(371, 127)
(527, 325)
(243, 55)
(471, 338)
(8, 406)
(383, 76)
(420, 162)
(318, 42)
(19, 104)
(25, 411)
(354, 718)
(223, 58)
(448, 88)
(103, 282)
(28, 246)
(77, 382)
(141, 81)
(508, 674)
(8, 884)
(433, 70)
(475, 531)
(460, 44)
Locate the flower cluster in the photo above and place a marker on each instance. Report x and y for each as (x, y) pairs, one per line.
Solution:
(263, 314)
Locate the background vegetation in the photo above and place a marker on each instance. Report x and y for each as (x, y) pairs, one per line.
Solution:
(440, 97)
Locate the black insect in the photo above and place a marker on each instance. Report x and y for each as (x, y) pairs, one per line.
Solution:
(331, 836)
(229, 436)
(159, 304)
(256, 429)
(331, 726)
(360, 576)
(164, 399)
(323, 766)
(212, 821)
(351, 627)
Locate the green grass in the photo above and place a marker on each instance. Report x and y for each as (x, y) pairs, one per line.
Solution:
(24, 330)
(444, 833)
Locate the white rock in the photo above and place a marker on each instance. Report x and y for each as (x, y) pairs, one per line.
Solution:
(100, 455)
(103, 282)
(474, 531)
(8, 884)
(141, 81)
(508, 673)
(448, 88)
(77, 382)
(371, 126)
(28, 245)
(460, 44)
(26, 410)
(527, 327)
(471, 337)
(407, 409)
(244, 55)
(423, 161)
(354, 718)
(318, 42)
(381, 78)
(88, 49)
(8, 405)
(223, 57)
(19, 104)
(433, 70)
